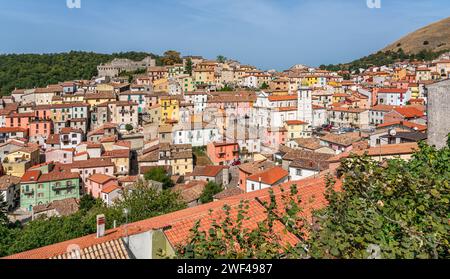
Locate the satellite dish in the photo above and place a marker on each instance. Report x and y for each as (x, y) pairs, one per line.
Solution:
(392, 132)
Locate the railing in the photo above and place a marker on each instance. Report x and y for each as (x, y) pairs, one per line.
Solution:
(63, 186)
(28, 192)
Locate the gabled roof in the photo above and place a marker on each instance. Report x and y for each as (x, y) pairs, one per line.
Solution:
(384, 150)
(101, 178)
(177, 225)
(209, 171)
(407, 124)
(270, 176)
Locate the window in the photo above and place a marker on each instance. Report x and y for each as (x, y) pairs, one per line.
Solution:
(298, 172)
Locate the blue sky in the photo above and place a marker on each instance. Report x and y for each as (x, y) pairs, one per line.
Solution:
(271, 34)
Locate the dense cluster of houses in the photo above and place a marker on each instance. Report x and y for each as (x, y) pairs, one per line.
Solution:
(96, 137)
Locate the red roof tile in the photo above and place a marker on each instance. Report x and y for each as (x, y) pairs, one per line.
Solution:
(269, 176)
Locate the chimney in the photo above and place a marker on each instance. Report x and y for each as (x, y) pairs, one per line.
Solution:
(101, 225)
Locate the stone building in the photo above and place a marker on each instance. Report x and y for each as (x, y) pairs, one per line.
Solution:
(115, 67)
(438, 113)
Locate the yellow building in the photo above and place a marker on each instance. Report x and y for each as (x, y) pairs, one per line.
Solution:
(399, 74)
(182, 164)
(16, 163)
(95, 99)
(161, 85)
(104, 87)
(154, 113)
(414, 88)
(73, 98)
(339, 97)
(311, 80)
(204, 76)
(297, 129)
(170, 108)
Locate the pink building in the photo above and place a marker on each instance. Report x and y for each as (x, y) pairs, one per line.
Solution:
(275, 136)
(43, 112)
(39, 130)
(223, 153)
(97, 182)
(86, 168)
(63, 156)
(21, 120)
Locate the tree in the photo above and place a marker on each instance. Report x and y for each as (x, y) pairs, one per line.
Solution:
(129, 127)
(87, 202)
(171, 57)
(143, 202)
(226, 88)
(160, 175)
(398, 209)
(40, 70)
(263, 86)
(189, 66)
(211, 188)
(401, 210)
(3, 211)
(146, 201)
(221, 59)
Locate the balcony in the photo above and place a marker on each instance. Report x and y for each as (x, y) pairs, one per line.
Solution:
(28, 192)
(62, 186)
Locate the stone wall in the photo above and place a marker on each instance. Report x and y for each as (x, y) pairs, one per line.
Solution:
(438, 113)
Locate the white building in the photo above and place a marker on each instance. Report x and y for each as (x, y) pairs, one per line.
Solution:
(70, 137)
(393, 96)
(266, 179)
(196, 134)
(305, 111)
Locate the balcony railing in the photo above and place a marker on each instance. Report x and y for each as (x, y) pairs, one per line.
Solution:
(28, 192)
(63, 186)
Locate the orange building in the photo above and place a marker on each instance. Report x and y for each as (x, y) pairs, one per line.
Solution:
(222, 153)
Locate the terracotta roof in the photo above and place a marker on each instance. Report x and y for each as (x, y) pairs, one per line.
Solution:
(210, 171)
(409, 112)
(343, 139)
(101, 178)
(383, 150)
(38, 176)
(108, 139)
(12, 130)
(296, 122)
(100, 95)
(68, 130)
(123, 143)
(113, 249)
(53, 139)
(7, 180)
(346, 109)
(91, 163)
(110, 188)
(63, 207)
(255, 167)
(393, 90)
(408, 124)
(218, 144)
(180, 223)
(269, 176)
(382, 108)
(129, 178)
(308, 143)
(275, 98)
(190, 191)
(229, 192)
